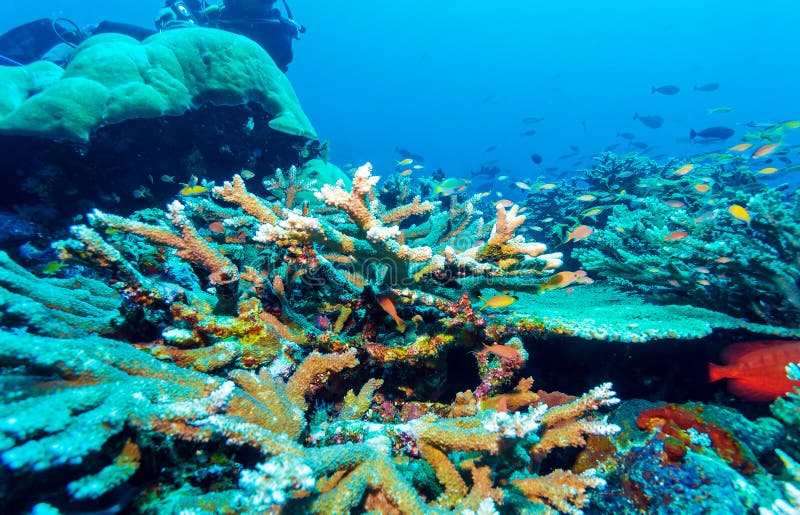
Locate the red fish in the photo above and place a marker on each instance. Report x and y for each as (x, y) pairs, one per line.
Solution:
(756, 371)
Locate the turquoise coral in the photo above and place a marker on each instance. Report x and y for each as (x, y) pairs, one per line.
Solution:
(113, 78)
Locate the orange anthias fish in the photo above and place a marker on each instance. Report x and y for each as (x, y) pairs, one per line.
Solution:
(388, 306)
(676, 235)
(561, 280)
(756, 371)
(765, 150)
(579, 233)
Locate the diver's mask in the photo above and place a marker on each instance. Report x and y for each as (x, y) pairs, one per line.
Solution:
(177, 14)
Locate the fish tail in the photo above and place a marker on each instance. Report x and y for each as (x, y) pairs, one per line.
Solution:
(692, 134)
(716, 372)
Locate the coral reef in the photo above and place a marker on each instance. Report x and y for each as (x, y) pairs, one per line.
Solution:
(673, 237)
(690, 458)
(243, 364)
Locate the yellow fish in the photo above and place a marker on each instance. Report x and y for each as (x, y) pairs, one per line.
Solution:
(768, 170)
(499, 301)
(404, 162)
(739, 213)
(188, 191)
(702, 188)
(585, 198)
(548, 186)
(741, 147)
(53, 267)
(683, 170)
(592, 212)
(406, 172)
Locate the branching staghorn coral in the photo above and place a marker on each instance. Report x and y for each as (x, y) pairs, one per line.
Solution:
(101, 390)
(373, 243)
(70, 307)
(282, 275)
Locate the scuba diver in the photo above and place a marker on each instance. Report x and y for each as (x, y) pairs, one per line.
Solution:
(259, 20)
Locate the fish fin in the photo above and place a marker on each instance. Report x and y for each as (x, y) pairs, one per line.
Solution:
(735, 352)
(748, 392)
(717, 372)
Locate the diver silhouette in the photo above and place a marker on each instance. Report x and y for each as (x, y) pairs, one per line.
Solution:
(259, 20)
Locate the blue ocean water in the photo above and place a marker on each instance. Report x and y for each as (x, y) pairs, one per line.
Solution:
(449, 79)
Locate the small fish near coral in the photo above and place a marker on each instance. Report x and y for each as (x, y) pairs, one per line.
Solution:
(756, 370)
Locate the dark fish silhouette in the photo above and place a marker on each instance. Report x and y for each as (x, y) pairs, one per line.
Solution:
(712, 86)
(532, 119)
(669, 89)
(491, 148)
(488, 171)
(626, 135)
(575, 148)
(640, 144)
(405, 153)
(528, 133)
(536, 158)
(712, 133)
(649, 120)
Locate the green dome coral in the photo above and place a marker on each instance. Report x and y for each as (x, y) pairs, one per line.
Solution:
(113, 78)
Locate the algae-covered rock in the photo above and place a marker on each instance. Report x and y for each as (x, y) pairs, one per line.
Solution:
(112, 78)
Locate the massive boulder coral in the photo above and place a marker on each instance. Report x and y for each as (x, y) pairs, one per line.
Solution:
(113, 78)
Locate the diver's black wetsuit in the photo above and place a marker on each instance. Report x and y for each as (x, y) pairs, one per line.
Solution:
(258, 20)
(255, 19)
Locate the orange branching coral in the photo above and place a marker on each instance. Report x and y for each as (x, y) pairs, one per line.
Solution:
(354, 203)
(89, 246)
(256, 333)
(400, 213)
(190, 245)
(236, 192)
(561, 490)
(567, 426)
(313, 371)
(288, 185)
(356, 405)
(503, 243)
